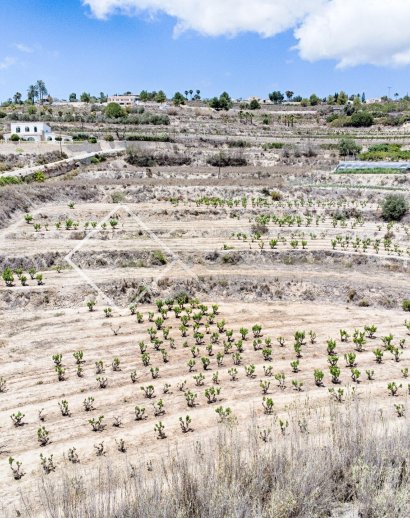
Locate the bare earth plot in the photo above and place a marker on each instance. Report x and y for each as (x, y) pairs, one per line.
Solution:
(286, 267)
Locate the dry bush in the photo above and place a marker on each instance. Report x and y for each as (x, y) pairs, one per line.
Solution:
(358, 463)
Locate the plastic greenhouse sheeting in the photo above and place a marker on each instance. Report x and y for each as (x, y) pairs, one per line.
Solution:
(361, 164)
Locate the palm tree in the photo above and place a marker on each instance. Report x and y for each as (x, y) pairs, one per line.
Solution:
(17, 98)
(186, 94)
(41, 89)
(32, 93)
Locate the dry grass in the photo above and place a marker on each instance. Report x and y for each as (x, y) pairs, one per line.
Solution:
(354, 465)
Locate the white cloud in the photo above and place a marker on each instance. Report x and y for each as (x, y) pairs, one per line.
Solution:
(216, 17)
(358, 32)
(350, 32)
(7, 63)
(23, 48)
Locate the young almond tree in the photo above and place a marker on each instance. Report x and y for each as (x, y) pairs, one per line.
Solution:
(190, 398)
(16, 468)
(160, 429)
(212, 394)
(8, 277)
(97, 424)
(185, 424)
(335, 373)
(268, 405)
(17, 419)
(47, 464)
(318, 375)
(43, 436)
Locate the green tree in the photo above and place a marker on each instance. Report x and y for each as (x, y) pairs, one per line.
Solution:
(276, 97)
(314, 100)
(178, 99)
(32, 93)
(41, 89)
(254, 105)
(342, 98)
(17, 98)
(85, 97)
(114, 111)
(394, 207)
(223, 102)
(161, 97)
(73, 97)
(144, 96)
(289, 94)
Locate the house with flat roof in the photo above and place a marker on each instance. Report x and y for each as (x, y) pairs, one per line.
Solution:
(124, 100)
(35, 132)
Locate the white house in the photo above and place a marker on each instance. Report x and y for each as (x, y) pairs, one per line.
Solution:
(124, 100)
(35, 132)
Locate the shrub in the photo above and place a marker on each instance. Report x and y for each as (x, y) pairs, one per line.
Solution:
(406, 304)
(39, 176)
(222, 160)
(8, 180)
(348, 147)
(361, 120)
(159, 257)
(394, 207)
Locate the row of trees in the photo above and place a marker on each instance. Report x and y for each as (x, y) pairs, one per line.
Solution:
(340, 98)
(37, 91)
(86, 97)
(161, 97)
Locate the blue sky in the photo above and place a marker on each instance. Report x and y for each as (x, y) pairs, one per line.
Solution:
(72, 50)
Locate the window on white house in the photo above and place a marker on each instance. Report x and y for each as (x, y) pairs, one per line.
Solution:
(27, 129)
(35, 129)
(18, 129)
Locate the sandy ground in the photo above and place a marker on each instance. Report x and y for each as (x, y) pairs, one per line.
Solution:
(31, 335)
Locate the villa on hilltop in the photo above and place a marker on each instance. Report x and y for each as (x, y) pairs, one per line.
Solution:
(124, 100)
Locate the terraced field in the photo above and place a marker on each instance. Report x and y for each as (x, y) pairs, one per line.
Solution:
(137, 329)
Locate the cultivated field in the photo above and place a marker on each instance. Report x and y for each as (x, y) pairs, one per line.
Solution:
(154, 317)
